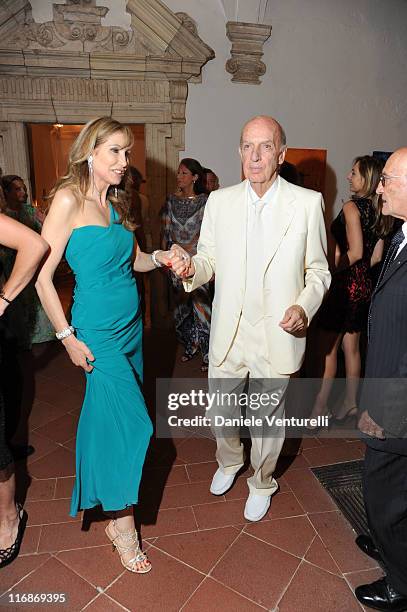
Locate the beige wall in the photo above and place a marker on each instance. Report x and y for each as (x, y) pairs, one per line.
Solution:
(336, 80)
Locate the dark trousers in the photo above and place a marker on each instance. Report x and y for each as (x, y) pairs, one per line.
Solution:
(385, 494)
(11, 384)
(5, 455)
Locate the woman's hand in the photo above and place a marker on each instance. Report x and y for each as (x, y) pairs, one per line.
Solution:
(181, 262)
(78, 352)
(3, 307)
(164, 258)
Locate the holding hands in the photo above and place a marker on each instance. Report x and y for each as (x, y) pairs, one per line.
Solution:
(178, 260)
(182, 264)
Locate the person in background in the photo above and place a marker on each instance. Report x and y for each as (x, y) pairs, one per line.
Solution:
(26, 321)
(290, 173)
(383, 421)
(30, 249)
(343, 315)
(211, 180)
(181, 224)
(16, 202)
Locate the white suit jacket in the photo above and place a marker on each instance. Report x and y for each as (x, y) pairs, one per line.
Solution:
(295, 266)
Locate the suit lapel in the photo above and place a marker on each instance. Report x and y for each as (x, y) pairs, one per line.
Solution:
(400, 260)
(236, 227)
(281, 215)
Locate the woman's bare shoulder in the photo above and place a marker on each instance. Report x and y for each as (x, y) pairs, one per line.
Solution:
(350, 209)
(65, 201)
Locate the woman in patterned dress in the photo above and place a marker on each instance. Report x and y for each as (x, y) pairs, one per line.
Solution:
(182, 216)
(343, 315)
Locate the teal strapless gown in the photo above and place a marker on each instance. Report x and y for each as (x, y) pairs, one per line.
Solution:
(114, 428)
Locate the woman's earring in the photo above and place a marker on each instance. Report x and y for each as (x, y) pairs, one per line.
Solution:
(115, 192)
(90, 164)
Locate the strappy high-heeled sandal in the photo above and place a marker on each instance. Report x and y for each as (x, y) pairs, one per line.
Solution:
(131, 545)
(7, 555)
(349, 415)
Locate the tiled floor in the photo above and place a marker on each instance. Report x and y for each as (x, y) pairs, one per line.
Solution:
(300, 558)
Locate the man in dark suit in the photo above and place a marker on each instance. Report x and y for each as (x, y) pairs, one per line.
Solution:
(384, 404)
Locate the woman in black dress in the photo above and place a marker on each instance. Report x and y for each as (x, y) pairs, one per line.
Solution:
(344, 313)
(30, 250)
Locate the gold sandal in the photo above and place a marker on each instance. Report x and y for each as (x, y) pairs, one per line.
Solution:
(133, 545)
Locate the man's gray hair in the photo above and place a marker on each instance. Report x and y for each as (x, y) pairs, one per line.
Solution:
(283, 138)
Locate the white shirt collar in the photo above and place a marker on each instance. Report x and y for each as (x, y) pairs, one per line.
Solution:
(267, 197)
(403, 244)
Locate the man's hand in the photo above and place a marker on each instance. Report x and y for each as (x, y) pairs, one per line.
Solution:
(368, 426)
(294, 320)
(181, 262)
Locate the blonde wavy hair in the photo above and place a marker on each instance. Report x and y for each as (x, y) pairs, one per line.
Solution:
(78, 178)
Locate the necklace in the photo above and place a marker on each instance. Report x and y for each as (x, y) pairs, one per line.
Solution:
(180, 195)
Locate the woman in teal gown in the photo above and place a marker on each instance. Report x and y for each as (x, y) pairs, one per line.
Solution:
(106, 316)
(90, 220)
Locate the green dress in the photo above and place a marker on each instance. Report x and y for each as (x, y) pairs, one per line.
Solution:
(114, 428)
(26, 318)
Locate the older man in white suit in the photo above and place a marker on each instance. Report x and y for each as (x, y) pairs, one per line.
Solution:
(265, 241)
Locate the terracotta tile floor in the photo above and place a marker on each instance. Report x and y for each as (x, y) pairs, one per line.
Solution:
(299, 558)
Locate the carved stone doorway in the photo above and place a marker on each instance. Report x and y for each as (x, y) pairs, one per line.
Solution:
(73, 69)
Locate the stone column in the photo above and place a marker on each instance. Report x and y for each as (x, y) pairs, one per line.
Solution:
(247, 50)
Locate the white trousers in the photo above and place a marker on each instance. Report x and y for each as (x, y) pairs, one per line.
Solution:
(248, 357)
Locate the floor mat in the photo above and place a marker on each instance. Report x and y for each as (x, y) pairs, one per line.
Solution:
(343, 481)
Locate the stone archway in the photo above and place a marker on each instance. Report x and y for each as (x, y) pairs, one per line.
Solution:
(73, 69)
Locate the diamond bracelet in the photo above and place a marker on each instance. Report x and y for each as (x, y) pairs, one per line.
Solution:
(64, 333)
(153, 256)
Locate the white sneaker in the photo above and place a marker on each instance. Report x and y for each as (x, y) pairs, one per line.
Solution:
(221, 482)
(256, 506)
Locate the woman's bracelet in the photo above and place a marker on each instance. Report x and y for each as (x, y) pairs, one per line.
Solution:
(64, 333)
(154, 258)
(3, 297)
